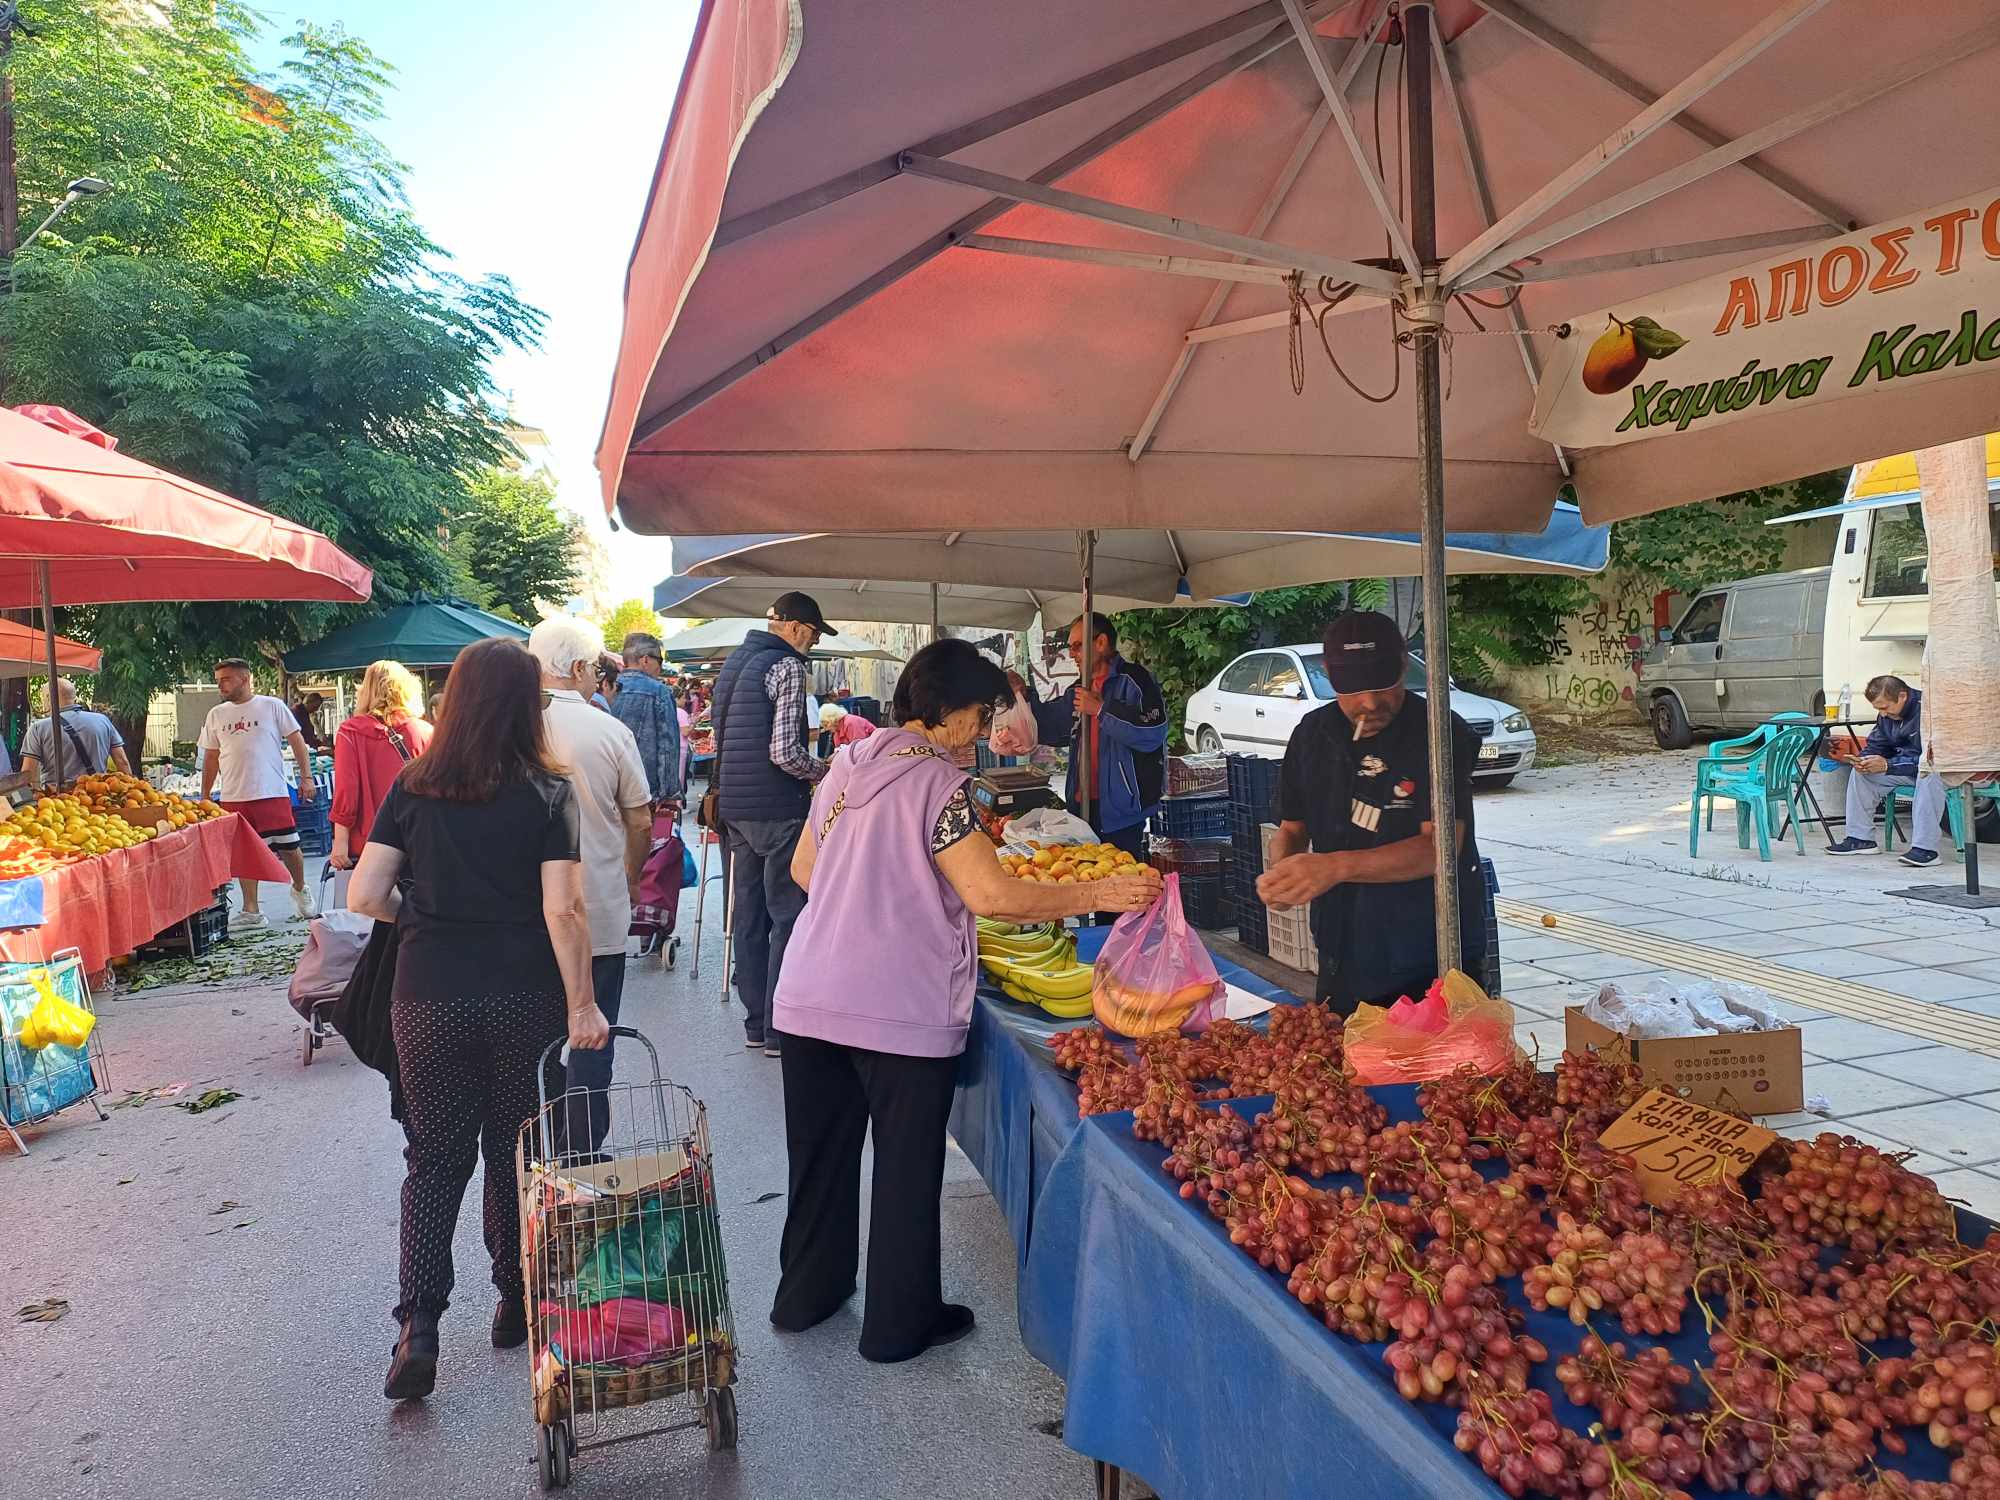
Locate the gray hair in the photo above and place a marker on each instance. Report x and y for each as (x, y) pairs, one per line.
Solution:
(562, 643)
(640, 645)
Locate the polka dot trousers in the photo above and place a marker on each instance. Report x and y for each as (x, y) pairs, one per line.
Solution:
(468, 1067)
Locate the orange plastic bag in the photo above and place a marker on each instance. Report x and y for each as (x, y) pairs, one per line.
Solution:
(1456, 1025)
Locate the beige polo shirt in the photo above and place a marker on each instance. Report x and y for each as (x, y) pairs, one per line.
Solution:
(603, 763)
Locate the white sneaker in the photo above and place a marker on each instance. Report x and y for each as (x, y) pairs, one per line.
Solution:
(303, 904)
(245, 921)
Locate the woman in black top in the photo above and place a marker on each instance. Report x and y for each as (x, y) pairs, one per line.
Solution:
(492, 940)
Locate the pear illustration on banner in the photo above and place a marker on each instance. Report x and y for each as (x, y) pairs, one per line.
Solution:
(1621, 352)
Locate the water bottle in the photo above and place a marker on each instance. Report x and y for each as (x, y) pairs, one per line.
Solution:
(1846, 698)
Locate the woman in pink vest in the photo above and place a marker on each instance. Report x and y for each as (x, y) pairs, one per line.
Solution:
(875, 999)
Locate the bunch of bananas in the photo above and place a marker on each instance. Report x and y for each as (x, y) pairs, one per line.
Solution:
(1036, 966)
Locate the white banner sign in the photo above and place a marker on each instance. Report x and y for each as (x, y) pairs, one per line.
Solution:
(1897, 304)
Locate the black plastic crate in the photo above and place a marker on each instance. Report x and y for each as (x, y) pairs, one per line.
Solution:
(192, 938)
(1201, 899)
(1251, 930)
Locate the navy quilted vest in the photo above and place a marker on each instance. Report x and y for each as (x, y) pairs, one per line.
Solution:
(754, 790)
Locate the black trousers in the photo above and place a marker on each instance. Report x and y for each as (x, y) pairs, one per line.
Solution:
(468, 1074)
(832, 1096)
(587, 1117)
(767, 902)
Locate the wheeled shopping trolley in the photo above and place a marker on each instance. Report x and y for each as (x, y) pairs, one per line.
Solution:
(621, 1250)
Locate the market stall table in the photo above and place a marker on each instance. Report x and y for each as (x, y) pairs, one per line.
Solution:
(1015, 1111)
(110, 904)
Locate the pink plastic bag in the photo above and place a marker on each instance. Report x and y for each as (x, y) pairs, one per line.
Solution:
(1014, 730)
(622, 1331)
(1153, 975)
(1456, 1025)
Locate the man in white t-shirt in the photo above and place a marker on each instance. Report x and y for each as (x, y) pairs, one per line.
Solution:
(243, 744)
(614, 834)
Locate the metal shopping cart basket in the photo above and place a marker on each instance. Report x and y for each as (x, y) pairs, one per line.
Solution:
(621, 1250)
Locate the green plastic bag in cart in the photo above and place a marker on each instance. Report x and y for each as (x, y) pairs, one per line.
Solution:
(649, 1256)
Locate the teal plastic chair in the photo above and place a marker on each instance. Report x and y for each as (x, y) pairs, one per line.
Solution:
(1762, 781)
(1734, 750)
(1958, 804)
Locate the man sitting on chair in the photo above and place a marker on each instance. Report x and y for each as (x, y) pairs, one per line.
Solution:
(1891, 758)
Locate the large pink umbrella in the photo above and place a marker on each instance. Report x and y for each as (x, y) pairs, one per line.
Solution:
(1047, 265)
(85, 524)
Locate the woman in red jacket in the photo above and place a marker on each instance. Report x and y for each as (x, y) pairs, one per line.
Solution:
(386, 730)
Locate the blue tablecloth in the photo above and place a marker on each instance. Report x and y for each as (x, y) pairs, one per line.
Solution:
(1015, 1111)
(1185, 1362)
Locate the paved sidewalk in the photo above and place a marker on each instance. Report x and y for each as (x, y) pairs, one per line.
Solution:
(1899, 1000)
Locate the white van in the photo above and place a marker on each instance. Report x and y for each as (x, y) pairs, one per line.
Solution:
(1738, 654)
(1878, 609)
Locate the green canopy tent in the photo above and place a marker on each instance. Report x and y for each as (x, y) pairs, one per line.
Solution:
(422, 633)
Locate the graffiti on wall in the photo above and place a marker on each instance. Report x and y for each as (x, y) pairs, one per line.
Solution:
(1597, 658)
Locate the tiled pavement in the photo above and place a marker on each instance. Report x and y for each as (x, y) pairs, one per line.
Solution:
(1885, 1085)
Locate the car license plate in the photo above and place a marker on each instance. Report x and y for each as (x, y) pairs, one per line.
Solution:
(1489, 752)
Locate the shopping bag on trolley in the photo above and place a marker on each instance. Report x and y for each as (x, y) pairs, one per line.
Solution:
(54, 1021)
(335, 941)
(643, 1257)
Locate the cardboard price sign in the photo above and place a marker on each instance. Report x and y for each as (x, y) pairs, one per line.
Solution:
(1675, 1143)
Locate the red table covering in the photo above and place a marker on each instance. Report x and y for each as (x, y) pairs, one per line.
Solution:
(109, 905)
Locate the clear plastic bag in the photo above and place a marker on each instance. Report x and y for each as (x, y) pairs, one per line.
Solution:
(1456, 1025)
(1049, 825)
(1153, 975)
(1015, 730)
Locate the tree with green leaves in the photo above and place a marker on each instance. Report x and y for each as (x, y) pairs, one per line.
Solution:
(519, 550)
(633, 614)
(1694, 547)
(252, 304)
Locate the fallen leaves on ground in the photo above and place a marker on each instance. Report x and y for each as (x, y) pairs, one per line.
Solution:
(207, 1100)
(138, 1098)
(271, 954)
(48, 1310)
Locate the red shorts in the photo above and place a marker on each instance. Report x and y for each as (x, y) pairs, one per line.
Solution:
(272, 817)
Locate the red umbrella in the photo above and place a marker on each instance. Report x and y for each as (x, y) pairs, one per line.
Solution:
(24, 649)
(113, 530)
(85, 523)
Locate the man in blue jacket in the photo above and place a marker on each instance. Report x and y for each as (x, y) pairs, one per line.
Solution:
(1891, 758)
(1126, 721)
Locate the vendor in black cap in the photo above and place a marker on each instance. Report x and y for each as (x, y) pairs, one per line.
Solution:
(1355, 839)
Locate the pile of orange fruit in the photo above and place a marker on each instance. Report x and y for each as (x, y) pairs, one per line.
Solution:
(65, 826)
(1068, 864)
(116, 792)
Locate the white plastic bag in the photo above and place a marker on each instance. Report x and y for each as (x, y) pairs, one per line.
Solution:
(333, 948)
(1648, 1013)
(1014, 730)
(1049, 825)
(1707, 1003)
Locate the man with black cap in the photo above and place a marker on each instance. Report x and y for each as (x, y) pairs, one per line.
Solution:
(764, 775)
(1354, 835)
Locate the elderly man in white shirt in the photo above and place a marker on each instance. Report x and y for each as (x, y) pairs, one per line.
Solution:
(614, 833)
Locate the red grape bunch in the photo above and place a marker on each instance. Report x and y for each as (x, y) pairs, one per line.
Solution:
(1448, 1326)
(1836, 1190)
(1627, 1393)
(1596, 1091)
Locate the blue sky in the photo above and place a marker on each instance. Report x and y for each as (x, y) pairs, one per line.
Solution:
(530, 133)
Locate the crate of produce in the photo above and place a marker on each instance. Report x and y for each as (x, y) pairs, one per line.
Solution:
(1185, 857)
(1205, 775)
(201, 932)
(1193, 818)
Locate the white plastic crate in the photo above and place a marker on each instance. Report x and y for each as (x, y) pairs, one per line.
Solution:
(1291, 938)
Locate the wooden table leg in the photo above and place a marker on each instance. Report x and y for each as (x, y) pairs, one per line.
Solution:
(1110, 1482)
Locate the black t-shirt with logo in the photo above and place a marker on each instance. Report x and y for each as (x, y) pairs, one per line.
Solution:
(1379, 941)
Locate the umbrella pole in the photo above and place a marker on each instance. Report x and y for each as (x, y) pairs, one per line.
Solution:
(55, 698)
(934, 615)
(1427, 322)
(1088, 784)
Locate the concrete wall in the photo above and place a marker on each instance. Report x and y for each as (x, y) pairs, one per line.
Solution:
(1596, 670)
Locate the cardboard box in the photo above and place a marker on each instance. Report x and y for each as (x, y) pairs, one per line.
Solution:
(1751, 1073)
(154, 816)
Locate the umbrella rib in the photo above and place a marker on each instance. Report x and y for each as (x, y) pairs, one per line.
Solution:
(1491, 246)
(1164, 226)
(1563, 45)
(1127, 260)
(1126, 125)
(1281, 189)
(1475, 169)
(1333, 91)
(1653, 255)
(950, 142)
(1266, 322)
(1731, 152)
